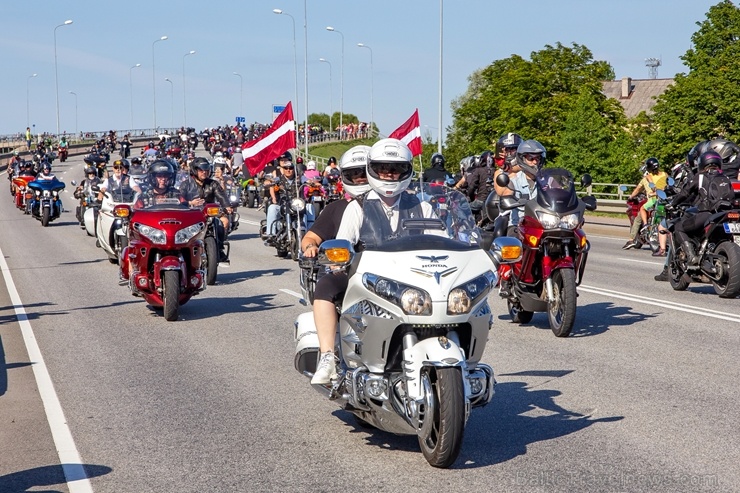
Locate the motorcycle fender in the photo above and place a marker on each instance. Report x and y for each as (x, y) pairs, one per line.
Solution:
(552, 264)
(166, 263)
(439, 352)
(306, 344)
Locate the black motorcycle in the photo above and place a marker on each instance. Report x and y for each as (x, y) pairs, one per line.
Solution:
(289, 227)
(718, 250)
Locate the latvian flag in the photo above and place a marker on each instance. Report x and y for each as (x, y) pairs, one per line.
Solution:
(410, 134)
(274, 142)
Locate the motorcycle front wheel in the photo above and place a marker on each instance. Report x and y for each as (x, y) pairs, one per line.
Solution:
(45, 216)
(676, 276)
(171, 295)
(728, 285)
(562, 311)
(441, 444)
(212, 260)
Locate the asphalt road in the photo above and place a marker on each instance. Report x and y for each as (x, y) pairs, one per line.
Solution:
(642, 397)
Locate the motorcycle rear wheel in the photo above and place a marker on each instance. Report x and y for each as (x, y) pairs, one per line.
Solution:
(562, 312)
(45, 215)
(211, 260)
(442, 444)
(518, 316)
(171, 295)
(729, 284)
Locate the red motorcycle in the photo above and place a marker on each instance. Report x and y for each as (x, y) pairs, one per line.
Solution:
(21, 186)
(62, 152)
(555, 249)
(166, 260)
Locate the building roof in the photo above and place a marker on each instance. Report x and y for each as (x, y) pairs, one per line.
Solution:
(640, 96)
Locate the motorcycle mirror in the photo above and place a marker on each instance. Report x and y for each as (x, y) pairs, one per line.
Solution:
(502, 180)
(506, 250)
(509, 202)
(670, 181)
(74, 183)
(336, 253)
(95, 188)
(661, 194)
(586, 180)
(590, 202)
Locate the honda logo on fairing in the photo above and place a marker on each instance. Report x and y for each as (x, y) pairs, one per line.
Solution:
(432, 259)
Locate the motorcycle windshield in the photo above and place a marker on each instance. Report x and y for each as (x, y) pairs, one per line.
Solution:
(49, 185)
(556, 190)
(437, 218)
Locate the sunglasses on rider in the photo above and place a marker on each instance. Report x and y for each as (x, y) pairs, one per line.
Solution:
(391, 168)
(532, 157)
(350, 175)
(117, 167)
(291, 168)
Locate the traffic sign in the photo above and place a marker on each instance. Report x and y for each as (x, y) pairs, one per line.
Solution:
(276, 110)
(240, 119)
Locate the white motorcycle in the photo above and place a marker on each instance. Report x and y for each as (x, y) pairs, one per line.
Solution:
(413, 326)
(110, 231)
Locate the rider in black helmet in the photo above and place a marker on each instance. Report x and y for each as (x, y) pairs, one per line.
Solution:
(437, 173)
(200, 189)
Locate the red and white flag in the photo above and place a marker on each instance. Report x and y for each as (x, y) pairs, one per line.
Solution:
(274, 142)
(410, 134)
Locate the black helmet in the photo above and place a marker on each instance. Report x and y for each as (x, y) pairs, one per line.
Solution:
(529, 147)
(692, 158)
(510, 140)
(136, 160)
(200, 163)
(285, 155)
(726, 149)
(158, 168)
(333, 160)
(709, 159)
(505, 151)
(89, 170)
(652, 165)
(438, 160)
(486, 159)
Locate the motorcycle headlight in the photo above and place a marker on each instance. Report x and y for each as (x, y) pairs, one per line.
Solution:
(185, 234)
(462, 298)
(156, 236)
(413, 301)
(297, 204)
(552, 221)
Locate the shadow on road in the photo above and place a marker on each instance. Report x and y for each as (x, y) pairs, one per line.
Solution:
(204, 308)
(21, 481)
(237, 277)
(591, 320)
(516, 417)
(243, 236)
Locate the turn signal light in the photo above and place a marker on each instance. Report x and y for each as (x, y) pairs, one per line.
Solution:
(733, 215)
(212, 211)
(532, 240)
(583, 241)
(122, 211)
(338, 255)
(511, 252)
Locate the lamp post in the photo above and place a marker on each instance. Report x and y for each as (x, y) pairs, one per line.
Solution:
(184, 101)
(241, 92)
(362, 45)
(131, 91)
(341, 81)
(439, 121)
(295, 58)
(56, 75)
(172, 103)
(331, 108)
(28, 104)
(75, 95)
(154, 82)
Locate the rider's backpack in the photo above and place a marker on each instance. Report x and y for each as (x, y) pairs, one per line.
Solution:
(718, 189)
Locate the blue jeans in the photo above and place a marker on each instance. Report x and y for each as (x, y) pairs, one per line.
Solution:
(273, 215)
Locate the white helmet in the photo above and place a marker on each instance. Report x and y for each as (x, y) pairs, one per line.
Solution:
(352, 160)
(311, 165)
(389, 154)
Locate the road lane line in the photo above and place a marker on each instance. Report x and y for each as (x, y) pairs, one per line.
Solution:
(69, 457)
(292, 293)
(662, 263)
(670, 305)
(248, 222)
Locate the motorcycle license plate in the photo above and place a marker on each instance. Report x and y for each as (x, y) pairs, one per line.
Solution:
(733, 228)
(252, 188)
(317, 199)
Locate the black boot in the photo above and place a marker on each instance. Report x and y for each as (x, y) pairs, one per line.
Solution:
(663, 276)
(691, 258)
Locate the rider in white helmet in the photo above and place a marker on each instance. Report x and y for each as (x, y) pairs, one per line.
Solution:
(389, 171)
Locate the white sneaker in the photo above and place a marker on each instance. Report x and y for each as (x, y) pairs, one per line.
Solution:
(326, 370)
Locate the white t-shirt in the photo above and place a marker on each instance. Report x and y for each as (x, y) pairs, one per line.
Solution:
(349, 228)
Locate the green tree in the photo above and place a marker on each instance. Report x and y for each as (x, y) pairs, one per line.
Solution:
(530, 97)
(705, 103)
(594, 140)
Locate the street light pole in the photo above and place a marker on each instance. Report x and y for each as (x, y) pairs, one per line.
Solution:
(184, 100)
(295, 58)
(341, 82)
(28, 104)
(75, 95)
(172, 103)
(154, 82)
(56, 73)
(305, 75)
(439, 121)
(131, 91)
(372, 119)
(241, 92)
(331, 108)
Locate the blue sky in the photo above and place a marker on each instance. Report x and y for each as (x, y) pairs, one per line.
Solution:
(95, 55)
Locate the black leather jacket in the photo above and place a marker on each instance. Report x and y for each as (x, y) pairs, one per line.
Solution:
(210, 191)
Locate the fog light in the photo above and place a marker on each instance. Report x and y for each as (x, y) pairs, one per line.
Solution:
(476, 386)
(375, 386)
(194, 281)
(142, 282)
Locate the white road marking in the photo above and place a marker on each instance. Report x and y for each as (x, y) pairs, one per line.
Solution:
(247, 221)
(69, 457)
(292, 293)
(642, 261)
(669, 305)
